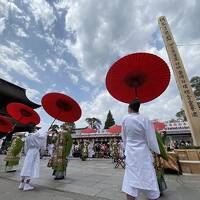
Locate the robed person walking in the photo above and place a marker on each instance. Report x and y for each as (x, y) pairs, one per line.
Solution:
(139, 140)
(34, 142)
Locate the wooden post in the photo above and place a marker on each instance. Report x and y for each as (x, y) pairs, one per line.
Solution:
(187, 95)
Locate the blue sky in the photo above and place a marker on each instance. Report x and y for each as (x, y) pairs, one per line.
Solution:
(68, 46)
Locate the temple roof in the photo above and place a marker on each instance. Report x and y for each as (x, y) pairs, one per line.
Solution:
(13, 93)
(9, 93)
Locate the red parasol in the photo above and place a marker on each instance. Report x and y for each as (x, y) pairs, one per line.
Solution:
(159, 126)
(5, 125)
(88, 130)
(61, 107)
(23, 113)
(140, 75)
(115, 129)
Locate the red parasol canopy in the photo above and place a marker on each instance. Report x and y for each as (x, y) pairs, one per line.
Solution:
(61, 107)
(115, 129)
(5, 125)
(88, 130)
(140, 75)
(23, 113)
(159, 126)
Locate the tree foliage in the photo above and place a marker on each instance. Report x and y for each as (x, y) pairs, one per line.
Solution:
(109, 120)
(195, 83)
(181, 115)
(94, 123)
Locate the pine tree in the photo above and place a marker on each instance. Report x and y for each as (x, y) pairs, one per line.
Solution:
(109, 121)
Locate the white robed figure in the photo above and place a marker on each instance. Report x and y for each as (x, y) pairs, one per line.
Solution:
(34, 142)
(139, 138)
(90, 150)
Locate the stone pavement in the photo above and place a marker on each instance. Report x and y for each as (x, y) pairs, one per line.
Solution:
(91, 180)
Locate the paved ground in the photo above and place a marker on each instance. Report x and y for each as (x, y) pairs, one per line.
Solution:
(90, 180)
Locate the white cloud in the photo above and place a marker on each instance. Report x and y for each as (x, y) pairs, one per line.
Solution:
(61, 4)
(5, 7)
(33, 95)
(20, 32)
(99, 106)
(5, 75)
(85, 88)
(104, 33)
(12, 58)
(73, 78)
(53, 64)
(2, 25)
(42, 11)
(13, 7)
(58, 63)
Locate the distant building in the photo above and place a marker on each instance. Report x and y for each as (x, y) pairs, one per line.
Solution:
(175, 131)
(97, 136)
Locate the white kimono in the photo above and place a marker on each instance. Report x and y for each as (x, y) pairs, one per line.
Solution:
(33, 143)
(139, 137)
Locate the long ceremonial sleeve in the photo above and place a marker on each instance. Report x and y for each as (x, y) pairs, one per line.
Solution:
(123, 135)
(151, 137)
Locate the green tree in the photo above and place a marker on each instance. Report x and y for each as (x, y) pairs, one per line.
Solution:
(195, 83)
(172, 120)
(181, 115)
(94, 123)
(109, 121)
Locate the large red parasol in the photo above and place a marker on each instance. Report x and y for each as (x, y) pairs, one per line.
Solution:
(159, 126)
(5, 125)
(140, 75)
(61, 107)
(115, 129)
(88, 130)
(23, 113)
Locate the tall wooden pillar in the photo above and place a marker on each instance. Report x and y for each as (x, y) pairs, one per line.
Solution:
(187, 95)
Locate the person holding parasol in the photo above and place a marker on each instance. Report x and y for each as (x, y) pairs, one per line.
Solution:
(33, 142)
(66, 109)
(59, 160)
(135, 79)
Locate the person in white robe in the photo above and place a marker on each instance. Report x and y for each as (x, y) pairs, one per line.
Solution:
(90, 150)
(34, 142)
(139, 140)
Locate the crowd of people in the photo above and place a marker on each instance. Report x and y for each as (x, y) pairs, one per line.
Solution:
(97, 149)
(178, 145)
